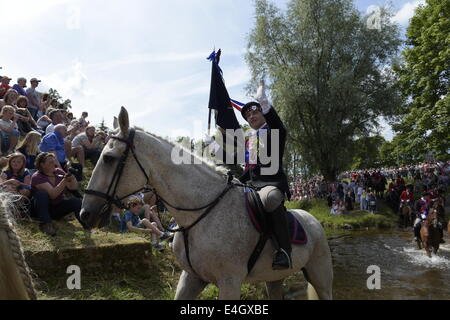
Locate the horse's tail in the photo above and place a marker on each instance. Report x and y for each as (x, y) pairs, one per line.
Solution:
(312, 294)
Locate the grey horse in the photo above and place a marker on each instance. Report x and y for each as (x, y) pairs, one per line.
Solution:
(220, 244)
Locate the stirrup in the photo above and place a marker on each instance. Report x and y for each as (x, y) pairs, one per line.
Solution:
(287, 256)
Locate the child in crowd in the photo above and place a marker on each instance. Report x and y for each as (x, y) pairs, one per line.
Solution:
(132, 222)
(8, 129)
(371, 202)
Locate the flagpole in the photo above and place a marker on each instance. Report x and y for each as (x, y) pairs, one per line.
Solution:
(209, 121)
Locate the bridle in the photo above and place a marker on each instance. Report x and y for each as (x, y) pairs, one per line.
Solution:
(110, 195)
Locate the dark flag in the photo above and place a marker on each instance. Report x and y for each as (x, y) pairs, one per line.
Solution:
(219, 100)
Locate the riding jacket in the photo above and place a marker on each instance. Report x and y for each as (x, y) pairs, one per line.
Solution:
(252, 172)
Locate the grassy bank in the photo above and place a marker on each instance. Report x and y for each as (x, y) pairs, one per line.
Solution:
(355, 219)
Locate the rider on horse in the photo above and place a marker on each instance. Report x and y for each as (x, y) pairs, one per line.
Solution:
(422, 208)
(406, 198)
(422, 212)
(263, 118)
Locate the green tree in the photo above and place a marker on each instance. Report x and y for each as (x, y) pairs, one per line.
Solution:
(327, 73)
(424, 79)
(54, 95)
(102, 126)
(367, 152)
(387, 154)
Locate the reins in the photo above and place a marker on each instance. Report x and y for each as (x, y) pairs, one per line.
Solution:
(113, 198)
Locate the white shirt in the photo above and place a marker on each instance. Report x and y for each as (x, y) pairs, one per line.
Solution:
(50, 128)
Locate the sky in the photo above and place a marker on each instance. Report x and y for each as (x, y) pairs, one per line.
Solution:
(146, 55)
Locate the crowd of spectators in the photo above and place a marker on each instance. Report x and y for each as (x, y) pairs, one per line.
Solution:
(359, 186)
(44, 149)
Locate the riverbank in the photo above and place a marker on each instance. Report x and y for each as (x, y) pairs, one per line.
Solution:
(355, 219)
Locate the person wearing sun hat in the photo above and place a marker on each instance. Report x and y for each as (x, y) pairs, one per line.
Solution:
(33, 97)
(273, 188)
(4, 86)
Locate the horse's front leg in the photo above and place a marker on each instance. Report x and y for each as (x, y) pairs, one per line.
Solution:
(229, 288)
(189, 287)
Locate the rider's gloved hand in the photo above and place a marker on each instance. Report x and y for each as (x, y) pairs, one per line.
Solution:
(262, 98)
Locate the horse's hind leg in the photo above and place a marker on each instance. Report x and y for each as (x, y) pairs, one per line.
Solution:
(319, 271)
(189, 287)
(275, 290)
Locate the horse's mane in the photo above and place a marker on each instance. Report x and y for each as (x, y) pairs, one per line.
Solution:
(222, 171)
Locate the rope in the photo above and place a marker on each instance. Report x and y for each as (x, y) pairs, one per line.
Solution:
(17, 253)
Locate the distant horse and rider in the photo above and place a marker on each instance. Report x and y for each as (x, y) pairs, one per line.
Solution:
(430, 232)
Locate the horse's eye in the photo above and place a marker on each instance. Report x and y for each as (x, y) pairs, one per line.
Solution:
(108, 159)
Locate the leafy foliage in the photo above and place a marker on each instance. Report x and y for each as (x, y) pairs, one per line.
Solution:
(424, 79)
(327, 73)
(54, 95)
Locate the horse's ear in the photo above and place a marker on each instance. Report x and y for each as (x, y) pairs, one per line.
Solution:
(124, 122)
(115, 123)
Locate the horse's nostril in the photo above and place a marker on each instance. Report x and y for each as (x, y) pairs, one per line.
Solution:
(84, 215)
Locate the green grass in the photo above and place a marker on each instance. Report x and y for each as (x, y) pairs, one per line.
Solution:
(70, 234)
(357, 219)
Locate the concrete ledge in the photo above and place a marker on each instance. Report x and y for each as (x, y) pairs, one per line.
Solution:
(92, 260)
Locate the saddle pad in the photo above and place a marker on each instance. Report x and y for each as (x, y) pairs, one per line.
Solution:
(296, 231)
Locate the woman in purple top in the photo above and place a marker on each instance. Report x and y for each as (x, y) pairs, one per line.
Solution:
(48, 185)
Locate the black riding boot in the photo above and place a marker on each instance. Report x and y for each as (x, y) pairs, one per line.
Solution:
(417, 231)
(282, 255)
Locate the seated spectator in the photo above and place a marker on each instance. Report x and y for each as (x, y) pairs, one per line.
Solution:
(4, 86)
(132, 222)
(66, 121)
(53, 142)
(48, 185)
(83, 122)
(43, 122)
(57, 119)
(16, 178)
(74, 129)
(86, 141)
(43, 106)
(8, 129)
(56, 116)
(27, 122)
(70, 117)
(334, 208)
(20, 85)
(30, 148)
(338, 207)
(34, 98)
(100, 139)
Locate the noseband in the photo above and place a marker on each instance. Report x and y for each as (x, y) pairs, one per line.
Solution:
(110, 195)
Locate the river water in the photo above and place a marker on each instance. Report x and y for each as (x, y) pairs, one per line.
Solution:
(405, 271)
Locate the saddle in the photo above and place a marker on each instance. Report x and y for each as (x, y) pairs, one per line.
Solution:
(259, 219)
